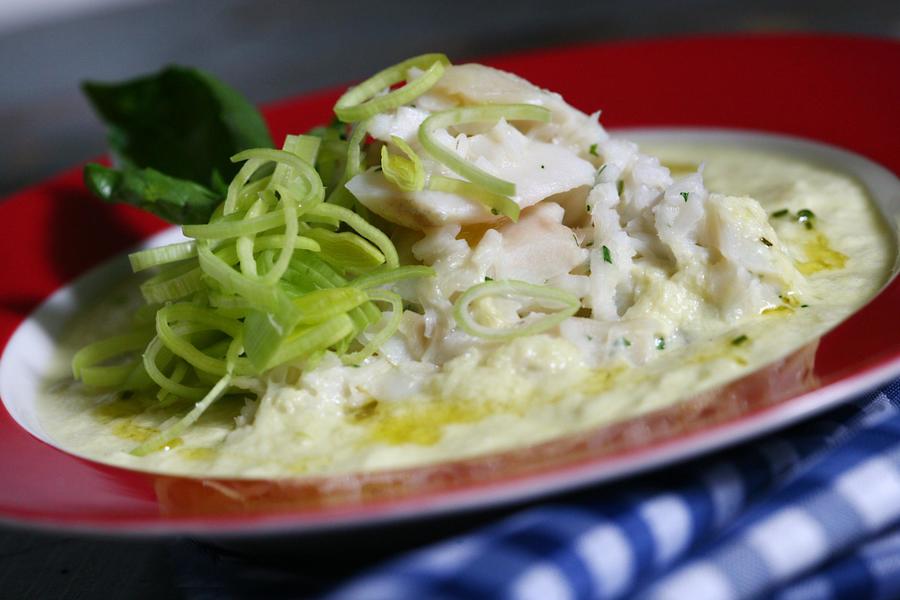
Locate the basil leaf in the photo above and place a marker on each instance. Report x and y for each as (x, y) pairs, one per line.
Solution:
(175, 200)
(180, 121)
(173, 133)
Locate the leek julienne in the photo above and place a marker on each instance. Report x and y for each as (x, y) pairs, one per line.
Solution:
(497, 203)
(491, 191)
(566, 305)
(340, 195)
(154, 257)
(243, 296)
(361, 102)
(404, 172)
(475, 114)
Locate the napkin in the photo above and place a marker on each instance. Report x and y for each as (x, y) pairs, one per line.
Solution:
(811, 512)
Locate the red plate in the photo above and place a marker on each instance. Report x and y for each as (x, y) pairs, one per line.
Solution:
(836, 90)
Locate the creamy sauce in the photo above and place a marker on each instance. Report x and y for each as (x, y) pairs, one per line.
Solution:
(526, 391)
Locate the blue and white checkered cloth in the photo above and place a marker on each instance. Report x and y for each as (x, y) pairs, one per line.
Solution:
(813, 512)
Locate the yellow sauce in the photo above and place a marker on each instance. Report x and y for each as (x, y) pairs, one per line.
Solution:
(679, 168)
(128, 430)
(778, 310)
(820, 256)
(119, 408)
(198, 453)
(424, 424)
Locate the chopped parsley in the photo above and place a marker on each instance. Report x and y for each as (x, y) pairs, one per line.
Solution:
(587, 207)
(660, 343)
(494, 211)
(606, 256)
(593, 151)
(620, 186)
(739, 340)
(804, 306)
(486, 278)
(806, 217)
(765, 241)
(685, 195)
(625, 341)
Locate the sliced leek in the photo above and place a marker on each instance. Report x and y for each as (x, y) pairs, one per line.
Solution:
(406, 171)
(154, 257)
(160, 440)
(386, 276)
(475, 114)
(383, 335)
(362, 101)
(563, 303)
(497, 204)
(363, 228)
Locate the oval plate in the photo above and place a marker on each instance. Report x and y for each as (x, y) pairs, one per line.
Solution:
(54, 232)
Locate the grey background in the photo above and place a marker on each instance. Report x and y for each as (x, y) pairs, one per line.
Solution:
(270, 50)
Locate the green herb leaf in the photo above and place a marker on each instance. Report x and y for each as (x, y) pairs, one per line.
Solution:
(806, 217)
(780, 213)
(175, 200)
(660, 343)
(180, 121)
(739, 340)
(606, 255)
(180, 124)
(765, 241)
(593, 151)
(685, 195)
(620, 186)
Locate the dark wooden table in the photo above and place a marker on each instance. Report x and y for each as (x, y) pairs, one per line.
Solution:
(43, 565)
